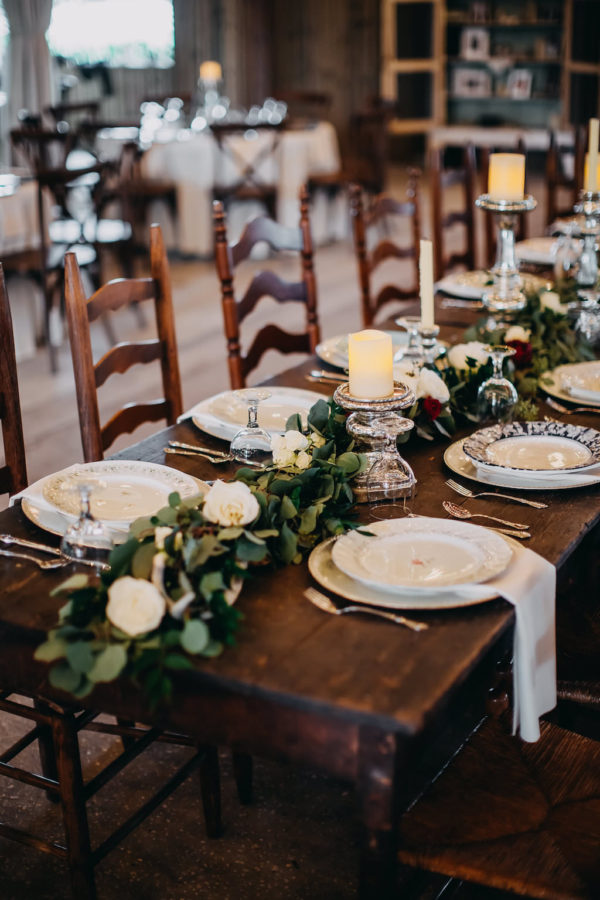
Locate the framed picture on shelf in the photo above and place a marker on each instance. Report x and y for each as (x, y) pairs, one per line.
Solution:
(518, 85)
(480, 11)
(475, 43)
(467, 82)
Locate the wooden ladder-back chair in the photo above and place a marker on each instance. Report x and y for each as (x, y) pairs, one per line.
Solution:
(13, 474)
(442, 179)
(558, 180)
(265, 283)
(383, 209)
(522, 226)
(246, 166)
(96, 438)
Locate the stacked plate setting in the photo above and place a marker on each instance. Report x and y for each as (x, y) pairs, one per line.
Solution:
(412, 563)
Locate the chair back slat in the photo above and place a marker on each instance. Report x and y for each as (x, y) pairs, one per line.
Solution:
(263, 284)
(124, 356)
(88, 377)
(557, 178)
(131, 416)
(13, 475)
(118, 293)
(442, 178)
(384, 209)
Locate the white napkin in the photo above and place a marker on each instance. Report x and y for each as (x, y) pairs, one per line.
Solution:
(580, 392)
(529, 583)
(34, 493)
(550, 480)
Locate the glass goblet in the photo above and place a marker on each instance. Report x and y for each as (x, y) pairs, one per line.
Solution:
(252, 444)
(390, 480)
(413, 352)
(497, 396)
(87, 540)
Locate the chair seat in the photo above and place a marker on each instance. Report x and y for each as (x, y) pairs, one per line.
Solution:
(513, 816)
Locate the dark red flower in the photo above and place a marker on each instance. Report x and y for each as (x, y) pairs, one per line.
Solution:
(523, 355)
(432, 407)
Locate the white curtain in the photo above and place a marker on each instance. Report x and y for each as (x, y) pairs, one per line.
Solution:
(30, 79)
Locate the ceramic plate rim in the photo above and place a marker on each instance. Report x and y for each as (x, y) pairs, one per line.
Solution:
(211, 424)
(431, 524)
(449, 284)
(554, 390)
(360, 593)
(496, 433)
(538, 257)
(495, 478)
(329, 356)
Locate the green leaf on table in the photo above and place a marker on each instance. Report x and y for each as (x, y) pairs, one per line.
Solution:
(63, 678)
(210, 583)
(80, 657)
(109, 664)
(230, 534)
(174, 499)
(71, 584)
(195, 636)
(308, 519)
(287, 544)
(52, 649)
(141, 527)
(318, 416)
(141, 563)
(250, 551)
(166, 516)
(212, 649)
(121, 556)
(294, 423)
(287, 509)
(177, 661)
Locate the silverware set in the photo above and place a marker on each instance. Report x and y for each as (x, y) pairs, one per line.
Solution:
(465, 492)
(323, 376)
(514, 529)
(554, 404)
(214, 456)
(59, 560)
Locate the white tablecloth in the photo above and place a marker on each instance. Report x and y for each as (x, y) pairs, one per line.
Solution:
(195, 163)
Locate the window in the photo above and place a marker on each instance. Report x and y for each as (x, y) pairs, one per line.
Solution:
(132, 33)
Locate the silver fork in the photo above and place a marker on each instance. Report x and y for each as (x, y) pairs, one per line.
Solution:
(216, 460)
(465, 492)
(41, 563)
(327, 605)
(575, 409)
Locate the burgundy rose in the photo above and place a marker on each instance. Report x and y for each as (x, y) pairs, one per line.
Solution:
(523, 355)
(432, 407)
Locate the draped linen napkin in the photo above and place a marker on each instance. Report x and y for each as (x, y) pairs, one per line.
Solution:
(529, 583)
(34, 493)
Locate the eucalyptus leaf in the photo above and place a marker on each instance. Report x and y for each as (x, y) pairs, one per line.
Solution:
(174, 499)
(211, 583)
(63, 678)
(294, 423)
(52, 649)
(287, 544)
(108, 664)
(213, 648)
(177, 661)
(166, 516)
(141, 562)
(141, 527)
(80, 656)
(71, 584)
(195, 636)
(230, 534)
(249, 551)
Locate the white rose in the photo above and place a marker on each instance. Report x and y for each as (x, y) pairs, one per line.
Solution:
(551, 300)
(230, 503)
(303, 460)
(134, 605)
(295, 440)
(317, 440)
(405, 372)
(160, 534)
(284, 458)
(517, 333)
(278, 443)
(457, 355)
(431, 385)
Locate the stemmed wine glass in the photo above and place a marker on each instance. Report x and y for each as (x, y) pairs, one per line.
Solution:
(413, 352)
(252, 444)
(497, 396)
(390, 480)
(87, 540)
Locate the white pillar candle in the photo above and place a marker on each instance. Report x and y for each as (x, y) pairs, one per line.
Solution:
(370, 364)
(506, 178)
(590, 182)
(210, 70)
(586, 174)
(426, 283)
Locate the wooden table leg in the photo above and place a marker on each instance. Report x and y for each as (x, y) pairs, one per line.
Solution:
(66, 747)
(378, 797)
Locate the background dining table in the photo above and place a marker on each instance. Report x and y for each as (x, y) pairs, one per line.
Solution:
(360, 699)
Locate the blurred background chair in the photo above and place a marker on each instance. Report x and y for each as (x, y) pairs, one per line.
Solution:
(305, 104)
(444, 179)
(564, 174)
(265, 283)
(13, 474)
(383, 215)
(247, 163)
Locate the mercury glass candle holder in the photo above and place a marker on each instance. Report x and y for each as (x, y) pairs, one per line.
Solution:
(429, 343)
(371, 423)
(505, 295)
(589, 206)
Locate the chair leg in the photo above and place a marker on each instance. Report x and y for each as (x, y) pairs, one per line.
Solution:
(72, 798)
(46, 751)
(242, 772)
(210, 785)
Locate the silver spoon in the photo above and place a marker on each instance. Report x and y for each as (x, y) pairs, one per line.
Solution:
(574, 409)
(459, 512)
(41, 563)
(324, 603)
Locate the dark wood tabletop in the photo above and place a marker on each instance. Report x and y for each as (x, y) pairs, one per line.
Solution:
(354, 696)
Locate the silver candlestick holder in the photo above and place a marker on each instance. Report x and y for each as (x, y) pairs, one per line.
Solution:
(505, 294)
(589, 206)
(375, 426)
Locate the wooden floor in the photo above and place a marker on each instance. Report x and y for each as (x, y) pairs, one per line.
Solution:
(48, 401)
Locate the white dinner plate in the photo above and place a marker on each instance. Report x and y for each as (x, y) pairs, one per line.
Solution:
(224, 414)
(334, 350)
(534, 447)
(582, 377)
(127, 490)
(459, 463)
(421, 554)
(471, 285)
(540, 250)
(323, 569)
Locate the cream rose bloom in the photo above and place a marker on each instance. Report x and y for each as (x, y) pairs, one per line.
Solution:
(303, 460)
(517, 333)
(431, 385)
(135, 606)
(406, 373)
(551, 300)
(295, 440)
(457, 355)
(230, 503)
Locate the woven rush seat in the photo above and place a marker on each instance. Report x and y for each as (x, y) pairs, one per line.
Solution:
(513, 816)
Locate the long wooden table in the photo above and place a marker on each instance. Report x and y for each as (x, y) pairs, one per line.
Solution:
(354, 697)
